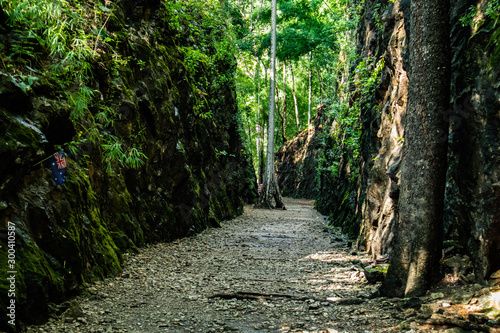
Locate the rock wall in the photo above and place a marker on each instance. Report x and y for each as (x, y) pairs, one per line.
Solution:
(197, 170)
(472, 195)
(382, 33)
(473, 203)
(471, 200)
(318, 164)
(297, 161)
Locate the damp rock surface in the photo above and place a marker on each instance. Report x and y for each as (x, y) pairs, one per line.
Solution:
(266, 271)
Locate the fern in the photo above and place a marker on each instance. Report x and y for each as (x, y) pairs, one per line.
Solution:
(493, 9)
(79, 102)
(135, 158)
(468, 18)
(114, 154)
(62, 31)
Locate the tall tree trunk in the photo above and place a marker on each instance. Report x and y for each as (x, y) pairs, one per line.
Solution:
(283, 124)
(270, 187)
(257, 119)
(278, 107)
(259, 123)
(321, 87)
(263, 131)
(262, 158)
(295, 99)
(310, 89)
(418, 243)
(278, 110)
(265, 72)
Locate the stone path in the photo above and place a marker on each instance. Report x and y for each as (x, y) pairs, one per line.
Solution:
(266, 271)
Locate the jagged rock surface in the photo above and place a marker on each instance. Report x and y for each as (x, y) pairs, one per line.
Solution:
(267, 271)
(367, 205)
(197, 172)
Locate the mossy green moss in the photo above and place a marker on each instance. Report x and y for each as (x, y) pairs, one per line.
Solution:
(97, 254)
(126, 229)
(154, 99)
(39, 277)
(33, 261)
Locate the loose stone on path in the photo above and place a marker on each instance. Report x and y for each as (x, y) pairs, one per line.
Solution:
(266, 271)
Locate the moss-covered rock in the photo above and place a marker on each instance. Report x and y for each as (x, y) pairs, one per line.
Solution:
(362, 196)
(139, 93)
(376, 273)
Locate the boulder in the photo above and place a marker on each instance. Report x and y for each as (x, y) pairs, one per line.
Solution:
(376, 273)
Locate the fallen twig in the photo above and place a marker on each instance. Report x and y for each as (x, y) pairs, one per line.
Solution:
(258, 295)
(264, 280)
(251, 295)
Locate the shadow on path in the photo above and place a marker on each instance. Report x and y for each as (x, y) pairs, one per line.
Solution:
(266, 271)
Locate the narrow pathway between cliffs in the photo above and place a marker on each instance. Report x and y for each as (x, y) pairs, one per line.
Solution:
(266, 271)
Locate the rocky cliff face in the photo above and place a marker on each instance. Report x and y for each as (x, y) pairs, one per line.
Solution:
(298, 159)
(473, 201)
(472, 198)
(383, 33)
(316, 164)
(158, 101)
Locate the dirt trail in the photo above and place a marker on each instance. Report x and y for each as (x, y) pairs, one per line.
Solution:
(266, 271)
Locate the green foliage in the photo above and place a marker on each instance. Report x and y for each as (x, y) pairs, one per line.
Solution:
(79, 100)
(323, 27)
(62, 32)
(377, 14)
(24, 83)
(472, 19)
(106, 116)
(56, 29)
(135, 158)
(468, 18)
(366, 78)
(79, 62)
(347, 129)
(194, 59)
(338, 159)
(115, 154)
(204, 41)
(222, 153)
(305, 27)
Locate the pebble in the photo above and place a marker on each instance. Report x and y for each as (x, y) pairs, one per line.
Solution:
(158, 292)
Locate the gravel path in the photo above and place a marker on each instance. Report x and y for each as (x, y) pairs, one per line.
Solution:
(266, 271)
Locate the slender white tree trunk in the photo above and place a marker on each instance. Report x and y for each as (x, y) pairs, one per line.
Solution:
(257, 119)
(295, 99)
(417, 246)
(321, 86)
(284, 103)
(270, 187)
(310, 89)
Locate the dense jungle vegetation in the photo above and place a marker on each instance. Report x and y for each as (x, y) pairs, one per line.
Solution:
(386, 112)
